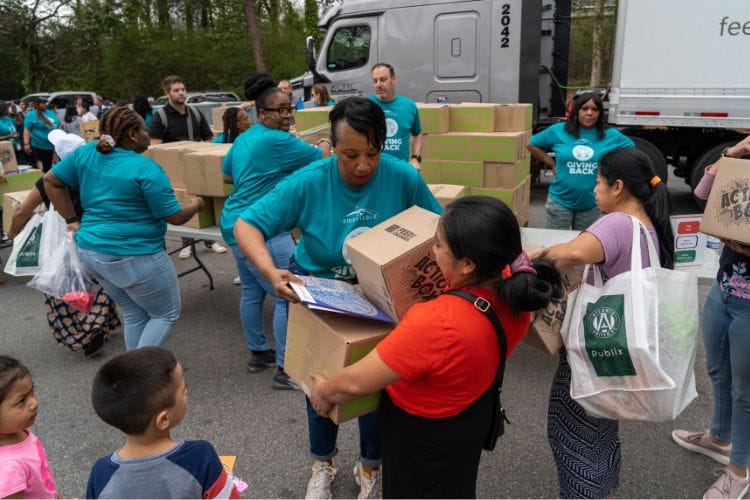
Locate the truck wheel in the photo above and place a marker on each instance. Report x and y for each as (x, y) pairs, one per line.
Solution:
(710, 156)
(657, 158)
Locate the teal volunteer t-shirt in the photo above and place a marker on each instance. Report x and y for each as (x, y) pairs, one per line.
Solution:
(577, 162)
(259, 158)
(329, 212)
(125, 197)
(402, 121)
(40, 130)
(8, 127)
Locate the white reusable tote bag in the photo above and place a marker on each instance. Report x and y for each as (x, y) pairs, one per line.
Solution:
(631, 341)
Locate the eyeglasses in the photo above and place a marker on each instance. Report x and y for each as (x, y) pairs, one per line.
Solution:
(281, 111)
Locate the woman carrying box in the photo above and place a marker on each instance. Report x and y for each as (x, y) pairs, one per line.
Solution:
(331, 201)
(726, 315)
(259, 159)
(437, 405)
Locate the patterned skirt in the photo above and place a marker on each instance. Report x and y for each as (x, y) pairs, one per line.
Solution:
(79, 331)
(586, 449)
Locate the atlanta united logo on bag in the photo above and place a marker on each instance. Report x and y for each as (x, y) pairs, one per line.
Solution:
(604, 322)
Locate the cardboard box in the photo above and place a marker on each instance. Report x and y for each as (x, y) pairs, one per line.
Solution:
(513, 117)
(311, 118)
(446, 193)
(472, 117)
(544, 331)
(430, 171)
(435, 118)
(517, 198)
(506, 174)
(326, 342)
(727, 213)
(202, 219)
(169, 156)
(19, 181)
(476, 146)
(202, 171)
(10, 202)
(217, 115)
(394, 261)
(689, 242)
(8, 157)
(463, 173)
(218, 202)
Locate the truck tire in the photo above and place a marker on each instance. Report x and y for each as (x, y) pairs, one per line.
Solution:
(710, 156)
(657, 158)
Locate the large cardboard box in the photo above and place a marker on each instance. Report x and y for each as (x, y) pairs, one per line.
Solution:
(202, 171)
(326, 342)
(311, 118)
(202, 219)
(10, 202)
(446, 193)
(472, 117)
(19, 181)
(435, 118)
(727, 213)
(218, 207)
(476, 146)
(430, 171)
(544, 331)
(170, 157)
(394, 261)
(513, 117)
(464, 173)
(8, 157)
(506, 174)
(516, 198)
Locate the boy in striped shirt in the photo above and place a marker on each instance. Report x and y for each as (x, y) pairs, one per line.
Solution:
(143, 393)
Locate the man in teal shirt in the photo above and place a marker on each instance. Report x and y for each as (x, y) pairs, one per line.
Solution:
(401, 116)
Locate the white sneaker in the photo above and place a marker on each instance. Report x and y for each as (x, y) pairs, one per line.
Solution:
(185, 253)
(216, 248)
(319, 486)
(370, 483)
(237, 281)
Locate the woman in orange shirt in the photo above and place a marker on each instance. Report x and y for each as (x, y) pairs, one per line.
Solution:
(438, 366)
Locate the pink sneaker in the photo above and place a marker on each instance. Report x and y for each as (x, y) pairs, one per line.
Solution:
(700, 442)
(729, 485)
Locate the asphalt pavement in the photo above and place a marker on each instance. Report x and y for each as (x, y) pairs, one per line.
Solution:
(241, 415)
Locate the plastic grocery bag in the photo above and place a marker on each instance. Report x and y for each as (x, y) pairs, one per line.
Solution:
(61, 275)
(631, 342)
(24, 258)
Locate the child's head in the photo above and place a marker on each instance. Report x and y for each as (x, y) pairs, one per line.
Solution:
(18, 404)
(139, 388)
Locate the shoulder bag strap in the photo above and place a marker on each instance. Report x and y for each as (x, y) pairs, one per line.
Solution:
(484, 306)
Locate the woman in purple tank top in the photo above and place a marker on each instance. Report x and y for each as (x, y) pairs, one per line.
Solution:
(586, 449)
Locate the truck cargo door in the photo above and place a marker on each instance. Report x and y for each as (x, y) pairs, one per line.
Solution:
(456, 45)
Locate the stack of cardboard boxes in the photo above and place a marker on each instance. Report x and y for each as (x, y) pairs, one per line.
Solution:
(194, 169)
(482, 147)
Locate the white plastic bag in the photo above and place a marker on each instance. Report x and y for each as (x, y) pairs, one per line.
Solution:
(61, 274)
(631, 341)
(24, 258)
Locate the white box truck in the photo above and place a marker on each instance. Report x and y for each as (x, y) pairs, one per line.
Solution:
(680, 86)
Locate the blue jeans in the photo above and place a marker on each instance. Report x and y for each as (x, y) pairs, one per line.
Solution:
(559, 217)
(323, 432)
(254, 290)
(727, 342)
(146, 289)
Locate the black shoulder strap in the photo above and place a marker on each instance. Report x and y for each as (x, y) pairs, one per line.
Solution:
(484, 306)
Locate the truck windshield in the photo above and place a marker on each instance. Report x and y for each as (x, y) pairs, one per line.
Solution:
(349, 48)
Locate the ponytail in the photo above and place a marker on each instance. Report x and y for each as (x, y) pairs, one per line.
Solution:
(485, 231)
(634, 169)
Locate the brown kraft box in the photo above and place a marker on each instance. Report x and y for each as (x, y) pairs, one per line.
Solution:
(727, 213)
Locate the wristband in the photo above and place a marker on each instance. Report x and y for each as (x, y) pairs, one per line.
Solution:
(417, 157)
(71, 220)
(321, 141)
